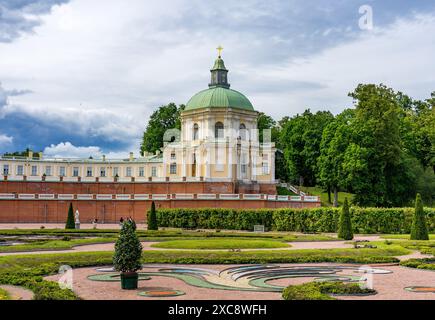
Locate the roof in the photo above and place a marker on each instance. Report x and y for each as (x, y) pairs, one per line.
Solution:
(218, 97)
(219, 65)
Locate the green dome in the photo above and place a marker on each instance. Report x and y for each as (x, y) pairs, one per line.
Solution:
(216, 97)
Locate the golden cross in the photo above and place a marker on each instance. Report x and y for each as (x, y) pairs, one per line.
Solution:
(219, 49)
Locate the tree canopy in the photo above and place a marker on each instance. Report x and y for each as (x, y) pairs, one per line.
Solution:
(164, 118)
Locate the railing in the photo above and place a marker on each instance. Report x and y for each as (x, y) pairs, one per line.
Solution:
(158, 197)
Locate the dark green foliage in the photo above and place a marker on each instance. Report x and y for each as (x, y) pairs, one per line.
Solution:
(70, 223)
(345, 223)
(300, 139)
(152, 218)
(128, 250)
(419, 227)
(165, 118)
(325, 219)
(322, 290)
(427, 263)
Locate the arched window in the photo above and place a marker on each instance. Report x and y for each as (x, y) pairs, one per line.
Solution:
(242, 131)
(195, 131)
(219, 130)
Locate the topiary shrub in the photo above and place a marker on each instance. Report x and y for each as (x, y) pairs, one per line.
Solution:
(344, 223)
(419, 228)
(70, 223)
(152, 218)
(128, 250)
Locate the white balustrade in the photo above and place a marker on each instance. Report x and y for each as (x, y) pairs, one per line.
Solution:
(65, 197)
(184, 196)
(24, 196)
(103, 197)
(252, 196)
(85, 197)
(141, 197)
(229, 196)
(206, 196)
(123, 197)
(7, 196)
(45, 196)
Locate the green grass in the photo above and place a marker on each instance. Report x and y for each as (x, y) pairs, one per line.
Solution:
(318, 191)
(4, 295)
(226, 243)
(54, 244)
(425, 264)
(284, 192)
(424, 246)
(403, 236)
(170, 234)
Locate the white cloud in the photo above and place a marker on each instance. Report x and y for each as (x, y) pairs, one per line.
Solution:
(4, 139)
(68, 150)
(399, 56)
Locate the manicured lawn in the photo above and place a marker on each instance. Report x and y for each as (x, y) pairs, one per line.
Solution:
(403, 236)
(54, 244)
(317, 191)
(172, 234)
(284, 191)
(424, 246)
(221, 244)
(4, 295)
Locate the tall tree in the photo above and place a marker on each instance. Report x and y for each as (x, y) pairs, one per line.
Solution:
(165, 118)
(300, 139)
(377, 150)
(335, 140)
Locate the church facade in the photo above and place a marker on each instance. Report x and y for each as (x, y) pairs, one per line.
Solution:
(215, 160)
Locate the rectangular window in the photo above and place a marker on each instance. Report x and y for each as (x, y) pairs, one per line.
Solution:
(5, 169)
(128, 172)
(141, 171)
(116, 171)
(48, 170)
(173, 168)
(153, 172)
(265, 168)
(102, 172)
(243, 168)
(62, 171)
(75, 171)
(89, 172)
(20, 170)
(34, 170)
(173, 156)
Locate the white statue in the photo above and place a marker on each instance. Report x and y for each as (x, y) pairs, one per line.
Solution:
(77, 216)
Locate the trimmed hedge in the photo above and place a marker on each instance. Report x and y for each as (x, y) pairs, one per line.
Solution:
(323, 290)
(364, 220)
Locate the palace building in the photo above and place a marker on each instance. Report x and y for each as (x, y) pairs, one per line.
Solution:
(215, 160)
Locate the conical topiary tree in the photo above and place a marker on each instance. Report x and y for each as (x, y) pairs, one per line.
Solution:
(344, 223)
(128, 250)
(152, 218)
(419, 228)
(70, 223)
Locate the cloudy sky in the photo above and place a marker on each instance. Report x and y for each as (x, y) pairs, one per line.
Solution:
(81, 77)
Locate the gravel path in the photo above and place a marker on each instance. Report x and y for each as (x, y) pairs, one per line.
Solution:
(18, 293)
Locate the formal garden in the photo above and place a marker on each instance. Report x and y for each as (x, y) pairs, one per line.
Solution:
(215, 254)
